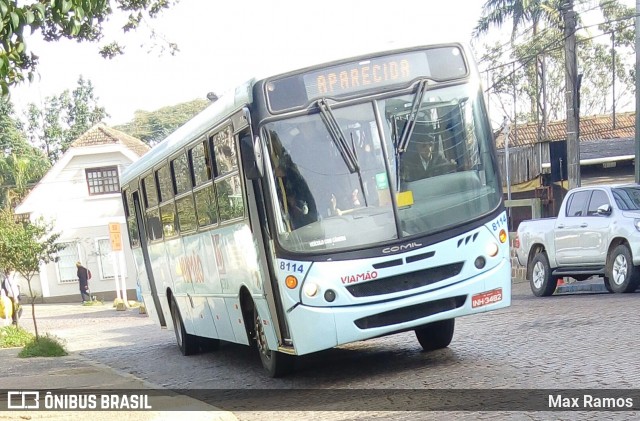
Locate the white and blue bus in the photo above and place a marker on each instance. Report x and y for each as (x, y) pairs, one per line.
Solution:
(297, 213)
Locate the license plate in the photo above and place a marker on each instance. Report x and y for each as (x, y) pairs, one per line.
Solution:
(486, 298)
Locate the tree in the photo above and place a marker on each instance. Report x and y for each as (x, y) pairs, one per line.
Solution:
(64, 118)
(81, 20)
(21, 164)
(24, 246)
(152, 127)
(496, 12)
(595, 63)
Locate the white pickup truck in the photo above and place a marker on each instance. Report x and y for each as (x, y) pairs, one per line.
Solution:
(597, 232)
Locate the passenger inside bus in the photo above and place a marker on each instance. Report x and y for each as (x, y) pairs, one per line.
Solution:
(296, 200)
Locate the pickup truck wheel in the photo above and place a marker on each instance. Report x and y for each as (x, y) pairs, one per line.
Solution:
(623, 275)
(542, 283)
(607, 284)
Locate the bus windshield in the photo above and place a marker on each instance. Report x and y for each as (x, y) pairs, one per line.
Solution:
(443, 178)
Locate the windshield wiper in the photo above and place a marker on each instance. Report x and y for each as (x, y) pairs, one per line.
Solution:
(403, 142)
(338, 137)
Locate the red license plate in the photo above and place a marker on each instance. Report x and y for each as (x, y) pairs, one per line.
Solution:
(486, 298)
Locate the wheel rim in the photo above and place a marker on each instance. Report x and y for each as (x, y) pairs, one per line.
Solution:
(538, 275)
(619, 270)
(261, 339)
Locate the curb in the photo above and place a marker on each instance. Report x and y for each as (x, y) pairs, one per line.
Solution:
(580, 287)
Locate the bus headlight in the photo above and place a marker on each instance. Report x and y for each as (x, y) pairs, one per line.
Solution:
(310, 289)
(491, 249)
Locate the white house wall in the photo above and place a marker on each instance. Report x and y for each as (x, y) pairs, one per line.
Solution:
(62, 197)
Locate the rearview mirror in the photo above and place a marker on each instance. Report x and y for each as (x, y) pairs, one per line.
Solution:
(604, 209)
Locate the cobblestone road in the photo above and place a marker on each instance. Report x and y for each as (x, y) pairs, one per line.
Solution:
(578, 341)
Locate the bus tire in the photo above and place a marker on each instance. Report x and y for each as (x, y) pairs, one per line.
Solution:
(208, 344)
(436, 335)
(542, 283)
(187, 343)
(275, 363)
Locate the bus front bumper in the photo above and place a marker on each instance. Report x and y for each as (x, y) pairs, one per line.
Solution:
(319, 328)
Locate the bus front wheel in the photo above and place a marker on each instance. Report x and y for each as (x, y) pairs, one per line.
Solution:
(436, 335)
(276, 363)
(187, 343)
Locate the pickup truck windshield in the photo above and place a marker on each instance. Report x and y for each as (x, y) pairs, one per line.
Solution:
(322, 202)
(627, 198)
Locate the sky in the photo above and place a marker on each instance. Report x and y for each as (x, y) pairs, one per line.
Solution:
(224, 43)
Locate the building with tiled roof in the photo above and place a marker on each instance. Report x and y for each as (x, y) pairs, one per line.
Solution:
(100, 134)
(607, 155)
(80, 194)
(603, 142)
(592, 128)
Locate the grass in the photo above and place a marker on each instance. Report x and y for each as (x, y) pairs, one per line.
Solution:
(43, 346)
(12, 337)
(95, 302)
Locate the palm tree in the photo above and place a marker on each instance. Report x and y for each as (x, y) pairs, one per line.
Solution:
(496, 12)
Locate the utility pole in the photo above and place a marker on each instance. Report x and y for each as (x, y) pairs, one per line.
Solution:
(637, 160)
(571, 84)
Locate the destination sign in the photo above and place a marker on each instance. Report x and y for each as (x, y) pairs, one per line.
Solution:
(343, 79)
(346, 79)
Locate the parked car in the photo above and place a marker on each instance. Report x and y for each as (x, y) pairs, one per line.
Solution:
(597, 232)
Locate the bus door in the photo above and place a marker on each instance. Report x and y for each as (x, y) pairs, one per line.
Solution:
(147, 262)
(258, 220)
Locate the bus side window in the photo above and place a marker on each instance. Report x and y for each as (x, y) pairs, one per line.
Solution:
(201, 164)
(224, 152)
(181, 174)
(206, 208)
(130, 214)
(228, 188)
(154, 227)
(164, 183)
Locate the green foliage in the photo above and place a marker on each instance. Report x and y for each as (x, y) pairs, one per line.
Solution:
(43, 346)
(65, 117)
(21, 165)
(537, 59)
(152, 127)
(24, 246)
(14, 336)
(81, 20)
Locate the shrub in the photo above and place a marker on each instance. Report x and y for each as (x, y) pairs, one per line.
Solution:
(43, 346)
(14, 336)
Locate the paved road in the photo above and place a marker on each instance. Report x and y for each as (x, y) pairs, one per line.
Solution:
(575, 341)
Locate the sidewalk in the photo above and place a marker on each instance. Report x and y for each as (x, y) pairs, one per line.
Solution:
(77, 372)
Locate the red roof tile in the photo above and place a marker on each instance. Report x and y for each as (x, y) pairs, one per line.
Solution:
(591, 128)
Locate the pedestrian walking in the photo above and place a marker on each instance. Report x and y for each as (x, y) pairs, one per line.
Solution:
(84, 275)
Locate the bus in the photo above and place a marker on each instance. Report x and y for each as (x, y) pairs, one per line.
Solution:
(291, 215)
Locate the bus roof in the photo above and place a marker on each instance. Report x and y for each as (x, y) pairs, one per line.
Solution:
(229, 103)
(191, 130)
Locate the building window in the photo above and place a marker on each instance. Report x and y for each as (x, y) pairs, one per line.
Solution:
(105, 258)
(67, 258)
(103, 180)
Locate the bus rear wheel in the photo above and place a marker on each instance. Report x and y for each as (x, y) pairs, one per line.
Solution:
(276, 363)
(187, 343)
(436, 335)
